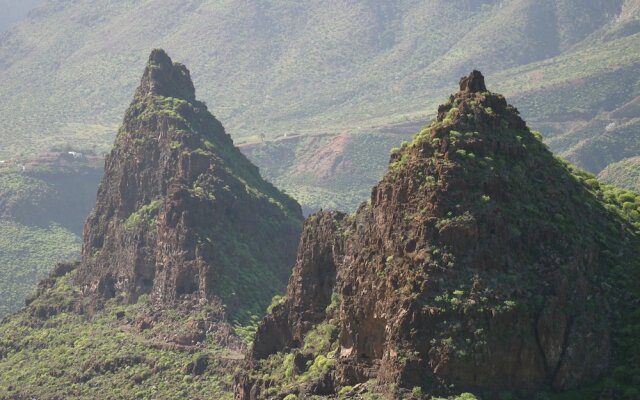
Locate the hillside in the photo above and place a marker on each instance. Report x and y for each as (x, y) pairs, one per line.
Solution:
(463, 170)
(330, 171)
(625, 174)
(481, 264)
(42, 210)
(50, 350)
(280, 67)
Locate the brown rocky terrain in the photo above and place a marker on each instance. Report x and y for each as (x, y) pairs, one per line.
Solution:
(481, 263)
(180, 211)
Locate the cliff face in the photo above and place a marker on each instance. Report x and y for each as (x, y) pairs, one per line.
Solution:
(481, 263)
(180, 211)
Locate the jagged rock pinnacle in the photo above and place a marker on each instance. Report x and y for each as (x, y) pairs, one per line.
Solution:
(163, 77)
(175, 195)
(473, 83)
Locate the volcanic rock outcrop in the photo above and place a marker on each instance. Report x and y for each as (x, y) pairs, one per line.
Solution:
(481, 263)
(180, 211)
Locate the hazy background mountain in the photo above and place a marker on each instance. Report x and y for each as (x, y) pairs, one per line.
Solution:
(331, 84)
(11, 11)
(625, 174)
(275, 67)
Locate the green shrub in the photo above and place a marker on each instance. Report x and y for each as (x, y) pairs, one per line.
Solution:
(276, 301)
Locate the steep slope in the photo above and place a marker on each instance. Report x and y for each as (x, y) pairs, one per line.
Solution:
(182, 253)
(180, 211)
(482, 263)
(282, 66)
(625, 174)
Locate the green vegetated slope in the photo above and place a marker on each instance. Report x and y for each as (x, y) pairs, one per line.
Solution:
(283, 66)
(48, 351)
(618, 204)
(610, 143)
(185, 240)
(181, 212)
(608, 138)
(625, 173)
(42, 211)
(27, 254)
(585, 101)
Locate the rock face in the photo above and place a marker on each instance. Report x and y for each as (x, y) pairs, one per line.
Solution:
(310, 287)
(180, 211)
(478, 265)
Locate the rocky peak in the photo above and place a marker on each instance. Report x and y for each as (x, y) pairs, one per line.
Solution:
(180, 212)
(473, 83)
(163, 77)
(476, 266)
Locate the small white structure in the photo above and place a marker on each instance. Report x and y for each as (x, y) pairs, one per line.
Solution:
(75, 154)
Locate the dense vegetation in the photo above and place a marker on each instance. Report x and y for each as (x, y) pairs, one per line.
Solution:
(615, 224)
(624, 378)
(109, 355)
(114, 352)
(49, 351)
(336, 78)
(178, 164)
(27, 254)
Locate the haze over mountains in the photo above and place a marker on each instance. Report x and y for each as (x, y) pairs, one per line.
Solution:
(344, 80)
(11, 11)
(275, 67)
